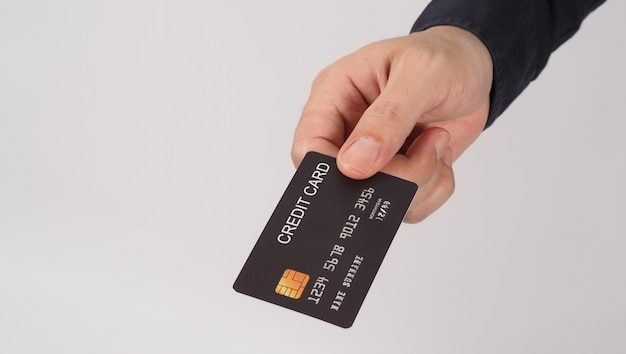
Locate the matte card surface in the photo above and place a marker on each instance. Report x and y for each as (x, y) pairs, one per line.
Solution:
(325, 241)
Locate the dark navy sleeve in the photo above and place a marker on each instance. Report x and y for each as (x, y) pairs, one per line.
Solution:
(519, 34)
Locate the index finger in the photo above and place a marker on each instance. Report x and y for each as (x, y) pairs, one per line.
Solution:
(339, 96)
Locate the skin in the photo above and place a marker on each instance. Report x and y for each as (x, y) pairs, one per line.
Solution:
(407, 106)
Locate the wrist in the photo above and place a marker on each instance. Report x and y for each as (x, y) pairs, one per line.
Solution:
(466, 42)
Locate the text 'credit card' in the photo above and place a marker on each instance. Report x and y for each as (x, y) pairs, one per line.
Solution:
(325, 241)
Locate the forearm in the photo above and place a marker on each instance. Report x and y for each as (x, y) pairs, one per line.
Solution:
(520, 36)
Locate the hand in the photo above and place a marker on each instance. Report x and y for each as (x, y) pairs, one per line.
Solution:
(408, 106)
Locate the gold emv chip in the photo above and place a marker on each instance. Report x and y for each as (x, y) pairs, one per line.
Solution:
(292, 284)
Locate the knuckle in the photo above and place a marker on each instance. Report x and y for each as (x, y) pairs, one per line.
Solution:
(447, 184)
(297, 155)
(388, 114)
(424, 205)
(322, 76)
(414, 217)
(424, 169)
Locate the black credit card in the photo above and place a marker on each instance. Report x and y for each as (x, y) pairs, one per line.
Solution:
(326, 240)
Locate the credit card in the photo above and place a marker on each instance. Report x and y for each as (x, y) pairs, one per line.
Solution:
(325, 241)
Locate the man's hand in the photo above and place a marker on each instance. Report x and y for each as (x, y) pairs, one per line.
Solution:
(408, 106)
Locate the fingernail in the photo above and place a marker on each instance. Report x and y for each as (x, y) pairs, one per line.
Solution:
(361, 155)
(441, 142)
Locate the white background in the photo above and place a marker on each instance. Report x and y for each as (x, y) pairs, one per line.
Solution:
(144, 144)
